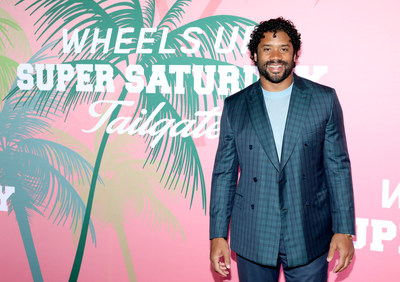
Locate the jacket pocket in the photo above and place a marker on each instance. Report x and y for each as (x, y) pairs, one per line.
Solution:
(321, 198)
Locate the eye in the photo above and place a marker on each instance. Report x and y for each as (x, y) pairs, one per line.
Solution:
(266, 49)
(285, 49)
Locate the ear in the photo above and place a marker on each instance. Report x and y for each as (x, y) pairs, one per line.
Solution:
(255, 57)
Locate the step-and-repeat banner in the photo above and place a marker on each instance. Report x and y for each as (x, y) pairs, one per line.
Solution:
(109, 123)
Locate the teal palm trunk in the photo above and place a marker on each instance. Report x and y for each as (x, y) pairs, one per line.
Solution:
(85, 225)
(26, 234)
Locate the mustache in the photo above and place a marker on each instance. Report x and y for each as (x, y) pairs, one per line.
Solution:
(276, 62)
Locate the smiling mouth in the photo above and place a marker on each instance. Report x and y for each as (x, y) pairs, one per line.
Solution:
(275, 68)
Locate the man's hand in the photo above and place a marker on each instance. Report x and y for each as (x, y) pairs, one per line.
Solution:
(342, 243)
(220, 248)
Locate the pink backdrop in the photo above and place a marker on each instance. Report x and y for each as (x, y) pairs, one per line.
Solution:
(352, 46)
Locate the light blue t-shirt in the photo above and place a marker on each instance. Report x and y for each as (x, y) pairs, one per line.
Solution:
(277, 104)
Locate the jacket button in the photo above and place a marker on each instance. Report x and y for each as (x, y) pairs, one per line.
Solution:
(255, 179)
(282, 181)
(251, 147)
(306, 143)
(252, 206)
(307, 203)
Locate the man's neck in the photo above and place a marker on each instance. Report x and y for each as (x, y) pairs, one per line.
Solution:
(276, 87)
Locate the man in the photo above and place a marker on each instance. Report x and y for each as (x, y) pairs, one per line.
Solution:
(282, 175)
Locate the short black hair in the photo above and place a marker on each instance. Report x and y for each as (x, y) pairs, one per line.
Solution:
(274, 25)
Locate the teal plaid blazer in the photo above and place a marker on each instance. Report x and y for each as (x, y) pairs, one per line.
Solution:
(307, 197)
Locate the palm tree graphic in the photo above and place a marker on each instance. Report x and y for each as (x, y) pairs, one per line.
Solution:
(115, 206)
(180, 154)
(41, 172)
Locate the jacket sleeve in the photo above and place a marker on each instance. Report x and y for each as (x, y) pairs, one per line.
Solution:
(224, 179)
(338, 172)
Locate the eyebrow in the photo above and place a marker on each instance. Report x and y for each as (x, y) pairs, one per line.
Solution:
(283, 45)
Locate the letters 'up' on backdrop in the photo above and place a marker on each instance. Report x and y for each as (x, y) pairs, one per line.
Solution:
(110, 117)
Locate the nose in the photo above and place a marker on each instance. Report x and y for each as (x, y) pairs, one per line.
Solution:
(276, 55)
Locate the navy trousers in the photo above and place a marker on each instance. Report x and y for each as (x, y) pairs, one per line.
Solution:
(315, 271)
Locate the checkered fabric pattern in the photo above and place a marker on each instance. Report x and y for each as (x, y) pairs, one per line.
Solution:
(307, 196)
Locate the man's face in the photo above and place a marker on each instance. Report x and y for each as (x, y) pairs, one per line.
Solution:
(275, 56)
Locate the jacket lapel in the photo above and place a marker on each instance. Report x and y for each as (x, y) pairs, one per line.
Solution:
(261, 124)
(298, 107)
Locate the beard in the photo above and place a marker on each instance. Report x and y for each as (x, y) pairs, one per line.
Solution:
(272, 77)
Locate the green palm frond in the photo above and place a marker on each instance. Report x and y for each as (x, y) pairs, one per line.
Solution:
(183, 160)
(87, 14)
(12, 167)
(126, 14)
(181, 157)
(148, 13)
(5, 25)
(8, 73)
(44, 185)
(17, 124)
(13, 40)
(14, 47)
(17, 98)
(72, 165)
(209, 26)
(43, 54)
(174, 15)
(39, 105)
